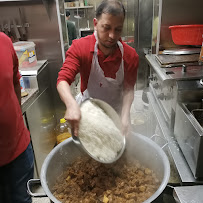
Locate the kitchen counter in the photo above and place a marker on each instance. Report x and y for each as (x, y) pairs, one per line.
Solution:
(29, 99)
(193, 194)
(176, 72)
(163, 84)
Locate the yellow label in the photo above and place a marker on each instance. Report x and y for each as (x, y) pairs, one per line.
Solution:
(23, 57)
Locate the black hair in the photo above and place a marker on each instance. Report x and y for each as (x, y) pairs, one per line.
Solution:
(113, 7)
(67, 13)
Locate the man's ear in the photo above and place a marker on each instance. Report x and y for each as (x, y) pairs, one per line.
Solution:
(95, 23)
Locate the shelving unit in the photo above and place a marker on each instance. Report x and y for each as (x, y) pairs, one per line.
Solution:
(79, 7)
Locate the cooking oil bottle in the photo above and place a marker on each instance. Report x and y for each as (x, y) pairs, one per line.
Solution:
(63, 131)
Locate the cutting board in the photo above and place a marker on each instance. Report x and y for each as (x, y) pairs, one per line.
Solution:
(176, 59)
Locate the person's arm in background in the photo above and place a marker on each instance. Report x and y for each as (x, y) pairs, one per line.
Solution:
(72, 113)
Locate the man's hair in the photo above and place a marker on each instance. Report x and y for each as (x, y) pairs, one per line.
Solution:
(113, 7)
(67, 13)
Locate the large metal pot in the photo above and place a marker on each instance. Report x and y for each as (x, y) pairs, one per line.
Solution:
(138, 146)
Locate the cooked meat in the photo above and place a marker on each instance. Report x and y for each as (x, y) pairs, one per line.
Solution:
(88, 181)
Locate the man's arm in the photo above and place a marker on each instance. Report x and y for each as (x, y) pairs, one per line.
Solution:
(18, 91)
(128, 97)
(73, 113)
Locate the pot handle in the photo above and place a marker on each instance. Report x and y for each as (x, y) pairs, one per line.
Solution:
(35, 182)
(163, 139)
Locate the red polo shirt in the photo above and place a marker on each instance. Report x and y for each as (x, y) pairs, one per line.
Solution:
(79, 59)
(14, 136)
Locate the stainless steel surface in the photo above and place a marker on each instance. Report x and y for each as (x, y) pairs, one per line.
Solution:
(35, 69)
(182, 51)
(66, 152)
(164, 88)
(189, 135)
(170, 86)
(41, 122)
(143, 33)
(44, 30)
(188, 194)
(39, 111)
(186, 175)
(28, 100)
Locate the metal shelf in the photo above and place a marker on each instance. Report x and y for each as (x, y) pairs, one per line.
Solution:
(79, 7)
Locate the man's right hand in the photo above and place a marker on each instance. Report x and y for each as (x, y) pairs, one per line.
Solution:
(73, 116)
(73, 113)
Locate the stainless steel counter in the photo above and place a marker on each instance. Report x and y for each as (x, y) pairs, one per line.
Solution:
(163, 84)
(29, 99)
(176, 73)
(188, 194)
(181, 165)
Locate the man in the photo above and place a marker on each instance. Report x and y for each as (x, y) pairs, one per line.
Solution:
(16, 155)
(71, 28)
(108, 67)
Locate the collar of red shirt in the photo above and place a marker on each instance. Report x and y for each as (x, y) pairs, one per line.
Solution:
(114, 56)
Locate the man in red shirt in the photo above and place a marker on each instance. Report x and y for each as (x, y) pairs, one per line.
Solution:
(16, 155)
(107, 66)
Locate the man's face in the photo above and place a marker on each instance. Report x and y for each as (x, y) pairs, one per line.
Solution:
(109, 29)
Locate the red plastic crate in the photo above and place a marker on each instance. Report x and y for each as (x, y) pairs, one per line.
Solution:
(187, 34)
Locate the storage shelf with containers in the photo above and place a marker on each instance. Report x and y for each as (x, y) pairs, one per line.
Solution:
(79, 7)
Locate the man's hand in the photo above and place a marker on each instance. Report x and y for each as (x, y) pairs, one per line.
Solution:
(73, 116)
(73, 113)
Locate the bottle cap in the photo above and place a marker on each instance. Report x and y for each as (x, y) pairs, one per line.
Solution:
(62, 120)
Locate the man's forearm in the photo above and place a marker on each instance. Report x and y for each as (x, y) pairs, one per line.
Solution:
(128, 97)
(65, 93)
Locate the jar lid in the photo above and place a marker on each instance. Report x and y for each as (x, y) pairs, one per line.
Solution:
(23, 45)
(62, 120)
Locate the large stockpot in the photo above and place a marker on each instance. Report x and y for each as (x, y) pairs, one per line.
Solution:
(138, 146)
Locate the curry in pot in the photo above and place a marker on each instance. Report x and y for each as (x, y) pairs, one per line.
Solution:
(88, 181)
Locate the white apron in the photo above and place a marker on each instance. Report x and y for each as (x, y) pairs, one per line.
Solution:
(107, 89)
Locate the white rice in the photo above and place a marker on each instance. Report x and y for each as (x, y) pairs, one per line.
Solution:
(98, 133)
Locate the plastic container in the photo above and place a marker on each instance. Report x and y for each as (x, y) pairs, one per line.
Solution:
(22, 86)
(187, 34)
(26, 53)
(62, 131)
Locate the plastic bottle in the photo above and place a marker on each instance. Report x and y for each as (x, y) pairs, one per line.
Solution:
(62, 131)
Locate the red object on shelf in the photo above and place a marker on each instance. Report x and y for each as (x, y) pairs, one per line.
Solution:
(187, 34)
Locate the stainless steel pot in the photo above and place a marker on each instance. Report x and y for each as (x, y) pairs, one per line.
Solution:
(138, 146)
